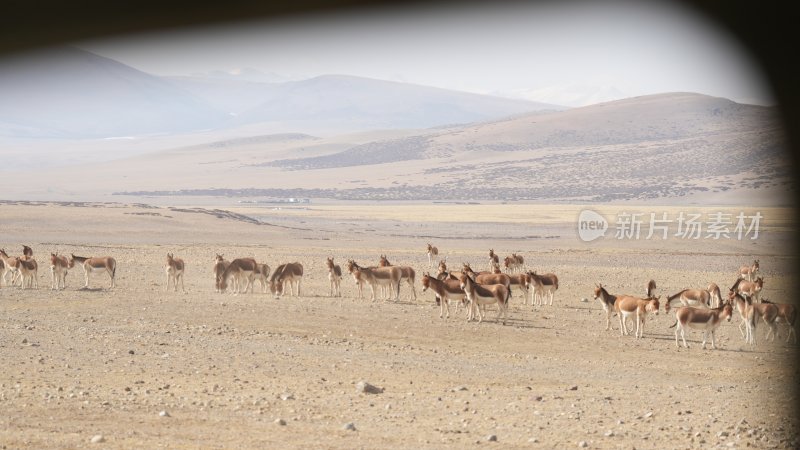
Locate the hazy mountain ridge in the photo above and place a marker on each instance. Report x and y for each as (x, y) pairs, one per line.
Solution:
(644, 119)
(653, 147)
(381, 152)
(378, 104)
(231, 96)
(569, 94)
(264, 139)
(67, 92)
(70, 93)
(658, 146)
(670, 169)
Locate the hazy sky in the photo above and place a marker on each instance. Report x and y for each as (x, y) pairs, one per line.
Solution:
(627, 48)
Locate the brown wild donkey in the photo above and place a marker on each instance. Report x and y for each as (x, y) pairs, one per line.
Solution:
(707, 320)
(335, 278)
(514, 263)
(175, 269)
(748, 272)
(262, 275)
(445, 291)
(406, 273)
(650, 289)
(220, 264)
(480, 295)
(29, 270)
(787, 313)
(10, 266)
(638, 308)
(240, 269)
(105, 264)
(542, 284)
(493, 259)
(289, 273)
(59, 265)
(750, 289)
(752, 312)
(378, 277)
(433, 252)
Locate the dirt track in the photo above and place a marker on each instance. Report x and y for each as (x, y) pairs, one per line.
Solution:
(224, 368)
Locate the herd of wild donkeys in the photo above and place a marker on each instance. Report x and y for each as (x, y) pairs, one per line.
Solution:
(702, 309)
(705, 309)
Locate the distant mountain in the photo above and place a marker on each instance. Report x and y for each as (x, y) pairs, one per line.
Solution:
(70, 93)
(335, 104)
(226, 93)
(245, 74)
(677, 146)
(656, 118)
(348, 103)
(569, 94)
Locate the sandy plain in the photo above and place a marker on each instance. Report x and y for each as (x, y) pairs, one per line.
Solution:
(225, 369)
